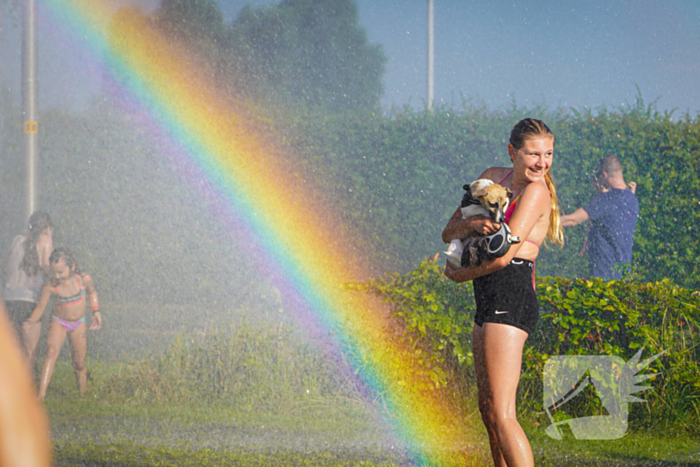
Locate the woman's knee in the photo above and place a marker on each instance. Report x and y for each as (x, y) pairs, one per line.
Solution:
(79, 365)
(500, 418)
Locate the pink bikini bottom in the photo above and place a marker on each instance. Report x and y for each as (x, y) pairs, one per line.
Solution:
(69, 326)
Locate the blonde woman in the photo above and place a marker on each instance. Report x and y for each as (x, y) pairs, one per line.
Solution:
(504, 288)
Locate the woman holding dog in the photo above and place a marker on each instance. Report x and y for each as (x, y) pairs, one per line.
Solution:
(506, 304)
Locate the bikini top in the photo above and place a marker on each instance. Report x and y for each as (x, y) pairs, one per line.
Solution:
(73, 299)
(511, 208)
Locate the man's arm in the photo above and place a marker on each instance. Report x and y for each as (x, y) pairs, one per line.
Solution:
(575, 218)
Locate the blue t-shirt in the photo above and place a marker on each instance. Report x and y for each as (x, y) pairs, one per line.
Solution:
(613, 220)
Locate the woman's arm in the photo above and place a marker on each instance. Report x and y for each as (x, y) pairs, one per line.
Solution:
(532, 205)
(94, 304)
(41, 306)
(471, 273)
(458, 228)
(44, 248)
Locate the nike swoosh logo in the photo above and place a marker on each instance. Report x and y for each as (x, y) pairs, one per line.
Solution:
(500, 312)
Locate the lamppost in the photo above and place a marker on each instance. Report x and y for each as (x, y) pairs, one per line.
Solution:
(29, 96)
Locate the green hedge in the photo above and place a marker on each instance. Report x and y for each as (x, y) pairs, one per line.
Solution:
(663, 156)
(393, 180)
(577, 317)
(397, 179)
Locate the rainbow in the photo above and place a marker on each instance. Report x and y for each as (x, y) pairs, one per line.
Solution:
(229, 150)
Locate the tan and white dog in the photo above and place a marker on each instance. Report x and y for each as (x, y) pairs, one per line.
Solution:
(485, 198)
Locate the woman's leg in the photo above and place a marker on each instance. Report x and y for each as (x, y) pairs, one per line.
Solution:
(78, 344)
(502, 357)
(28, 335)
(54, 342)
(483, 390)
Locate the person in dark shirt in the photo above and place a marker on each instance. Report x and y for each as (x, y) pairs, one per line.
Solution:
(613, 216)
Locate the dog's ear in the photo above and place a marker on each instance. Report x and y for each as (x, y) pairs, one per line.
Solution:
(479, 193)
(509, 193)
(467, 188)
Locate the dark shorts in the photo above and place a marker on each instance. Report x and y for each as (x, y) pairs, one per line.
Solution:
(19, 311)
(507, 296)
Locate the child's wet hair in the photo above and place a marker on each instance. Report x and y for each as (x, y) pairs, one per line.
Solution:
(64, 254)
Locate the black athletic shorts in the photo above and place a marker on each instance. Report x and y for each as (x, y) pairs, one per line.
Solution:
(507, 296)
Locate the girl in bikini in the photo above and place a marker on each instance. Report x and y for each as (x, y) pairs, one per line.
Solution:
(71, 290)
(506, 304)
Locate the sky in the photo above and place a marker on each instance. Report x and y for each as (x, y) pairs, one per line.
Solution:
(562, 54)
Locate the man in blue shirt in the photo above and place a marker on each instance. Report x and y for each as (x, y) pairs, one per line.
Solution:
(613, 215)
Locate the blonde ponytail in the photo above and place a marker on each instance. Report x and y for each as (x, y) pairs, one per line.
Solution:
(555, 232)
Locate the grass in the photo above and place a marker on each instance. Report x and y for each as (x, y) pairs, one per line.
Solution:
(124, 455)
(633, 449)
(254, 396)
(90, 431)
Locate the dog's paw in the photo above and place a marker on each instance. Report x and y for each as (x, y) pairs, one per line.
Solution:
(456, 263)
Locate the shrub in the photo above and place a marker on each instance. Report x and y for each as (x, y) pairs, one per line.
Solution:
(595, 317)
(435, 315)
(577, 317)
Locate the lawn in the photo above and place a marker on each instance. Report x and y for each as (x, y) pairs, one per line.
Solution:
(273, 402)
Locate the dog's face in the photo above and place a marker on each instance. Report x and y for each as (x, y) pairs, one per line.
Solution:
(494, 198)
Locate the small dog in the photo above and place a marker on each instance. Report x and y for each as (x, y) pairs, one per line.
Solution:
(485, 198)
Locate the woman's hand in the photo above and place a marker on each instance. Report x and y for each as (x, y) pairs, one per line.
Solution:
(458, 228)
(29, 324)
(455, 275)
(484, 225)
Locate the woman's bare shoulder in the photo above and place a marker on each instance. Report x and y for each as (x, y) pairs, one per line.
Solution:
(496, 174)
(537, 193)
(538, 188)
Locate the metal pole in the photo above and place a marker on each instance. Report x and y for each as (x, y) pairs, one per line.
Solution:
(431, 61)
(29, 97)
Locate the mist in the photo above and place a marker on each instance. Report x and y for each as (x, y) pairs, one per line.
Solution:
(228, 174)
